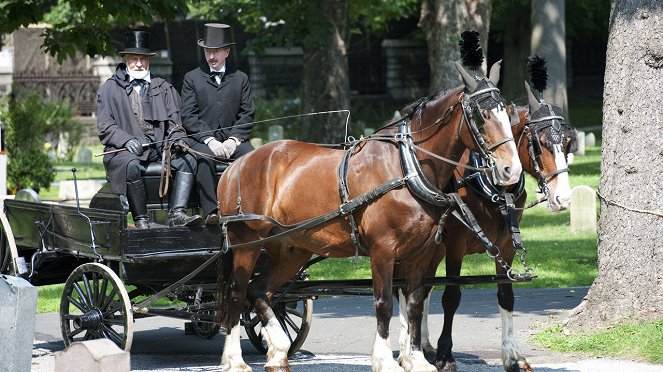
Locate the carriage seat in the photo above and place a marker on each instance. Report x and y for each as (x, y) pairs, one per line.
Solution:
(152, 178)
(107, 199)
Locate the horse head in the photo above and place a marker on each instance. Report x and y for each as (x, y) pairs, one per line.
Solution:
(489, 126)
(549, 141)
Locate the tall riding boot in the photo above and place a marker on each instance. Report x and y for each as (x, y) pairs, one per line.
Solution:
(138, 204)
(182, 184)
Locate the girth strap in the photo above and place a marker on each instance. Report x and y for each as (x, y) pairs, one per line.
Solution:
(508, 210)
(344, 192)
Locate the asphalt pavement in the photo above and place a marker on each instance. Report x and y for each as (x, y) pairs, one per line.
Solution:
(342, 333)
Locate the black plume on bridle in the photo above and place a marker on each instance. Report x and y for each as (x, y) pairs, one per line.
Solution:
(538, 72)
(470, 50)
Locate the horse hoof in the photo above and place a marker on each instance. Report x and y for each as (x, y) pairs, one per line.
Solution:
(512, 367)
(277, 369)
(449, 366)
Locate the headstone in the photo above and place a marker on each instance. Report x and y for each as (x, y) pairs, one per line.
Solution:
(86, 189)
(27, 195)
(583, 209)
(256, 142)
(581, 143)
(62, 148)
(84, 155)
(18, 306)
(101, 355)
(590, 140)
(275, 133)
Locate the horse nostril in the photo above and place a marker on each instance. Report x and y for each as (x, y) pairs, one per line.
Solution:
(507, 171)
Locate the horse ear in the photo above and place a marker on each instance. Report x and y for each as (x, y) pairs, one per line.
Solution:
(533, 102)
(560, 95)
(495, 72)
(469, 81)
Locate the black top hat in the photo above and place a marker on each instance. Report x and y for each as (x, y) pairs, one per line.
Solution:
(217, 35)
(137, 42)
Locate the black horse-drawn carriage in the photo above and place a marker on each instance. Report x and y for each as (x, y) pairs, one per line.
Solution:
(114, 273)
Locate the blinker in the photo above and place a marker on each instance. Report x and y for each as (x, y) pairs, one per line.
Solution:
(536, 145)
(556, 125)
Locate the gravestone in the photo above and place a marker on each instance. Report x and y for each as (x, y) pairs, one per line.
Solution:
(275, 133)
(590, 140)
(86, 189)
(581, 143)
(18, 306)
(583, 209)
(101, 355)
(256, 142)
(84, 155)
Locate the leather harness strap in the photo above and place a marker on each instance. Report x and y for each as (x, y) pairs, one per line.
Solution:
(345, 194)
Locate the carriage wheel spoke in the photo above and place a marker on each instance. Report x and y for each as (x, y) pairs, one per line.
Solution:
(112, 335)
(81, 296)
(113, 321)
(95, 288)
(74, 333)
(294, 312)
(108, 299)
(291, 323)
(253, 322)
(102, 292)
(88, 290)
(77, 304)
(285, 328)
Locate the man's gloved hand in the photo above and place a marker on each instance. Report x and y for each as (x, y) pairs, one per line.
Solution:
(230, 145)
(134, 146)
(217, 148)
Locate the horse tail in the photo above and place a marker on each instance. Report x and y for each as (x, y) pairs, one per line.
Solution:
(223, 290)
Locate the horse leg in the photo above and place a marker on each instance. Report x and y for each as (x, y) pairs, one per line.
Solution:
(381, 356)
(277, 341)
(412, 357)
(510, 352)
(444, 360)
(426, 346)
(234, 296)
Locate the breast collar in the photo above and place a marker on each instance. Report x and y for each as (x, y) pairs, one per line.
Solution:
(480, 182)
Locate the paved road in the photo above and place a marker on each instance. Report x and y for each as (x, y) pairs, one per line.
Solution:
(342, 333)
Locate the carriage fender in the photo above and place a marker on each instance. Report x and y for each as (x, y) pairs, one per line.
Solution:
(17, 267)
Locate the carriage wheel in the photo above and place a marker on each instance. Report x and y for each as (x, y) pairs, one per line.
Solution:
(205, 329)
(295, 316)
(95, 305)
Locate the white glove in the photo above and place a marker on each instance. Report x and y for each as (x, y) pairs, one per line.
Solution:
(217, 148)
(231, 145)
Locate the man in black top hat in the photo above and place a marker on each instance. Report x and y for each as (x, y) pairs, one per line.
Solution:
(140, 113)
(217, 110)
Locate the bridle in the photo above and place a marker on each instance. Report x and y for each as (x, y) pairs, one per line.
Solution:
(484, 97)
(546, 119)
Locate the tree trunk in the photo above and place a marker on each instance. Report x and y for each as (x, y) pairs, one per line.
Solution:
(549, 40)
(629, 285)
(326, 84)
(443, 21)
(516, 50)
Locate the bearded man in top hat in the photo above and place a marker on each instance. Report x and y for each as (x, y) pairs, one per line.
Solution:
(217, 111)
(140, 113)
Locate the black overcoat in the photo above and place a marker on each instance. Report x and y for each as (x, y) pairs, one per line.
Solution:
(207, 106)
(117, 124)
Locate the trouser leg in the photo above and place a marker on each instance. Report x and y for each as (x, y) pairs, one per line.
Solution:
(137, 203)
(179, 197)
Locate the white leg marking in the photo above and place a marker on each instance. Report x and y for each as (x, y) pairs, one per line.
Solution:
(426, 346)
(404, 337)
(231, 359)
(510, 350)
(278, 344)
(381, 358)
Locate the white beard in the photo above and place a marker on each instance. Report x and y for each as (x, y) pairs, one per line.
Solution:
(138, 74)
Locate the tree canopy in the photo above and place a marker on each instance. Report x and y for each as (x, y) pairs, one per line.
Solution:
(84, 25)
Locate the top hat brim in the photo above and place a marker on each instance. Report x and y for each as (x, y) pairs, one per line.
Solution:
(201, 42)
(140, 51)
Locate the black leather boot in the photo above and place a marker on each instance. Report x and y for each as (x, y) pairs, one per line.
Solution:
(182, 184)
(138, 204)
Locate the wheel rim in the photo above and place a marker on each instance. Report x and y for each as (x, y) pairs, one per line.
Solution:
(295, 318)
(95, 305)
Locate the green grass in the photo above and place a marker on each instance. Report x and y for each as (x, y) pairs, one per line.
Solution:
(642, 341)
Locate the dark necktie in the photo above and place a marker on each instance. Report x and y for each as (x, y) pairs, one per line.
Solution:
(214, 74)
(136, 82)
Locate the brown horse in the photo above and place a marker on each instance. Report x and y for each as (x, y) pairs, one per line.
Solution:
(387, 187)
(544, 141)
